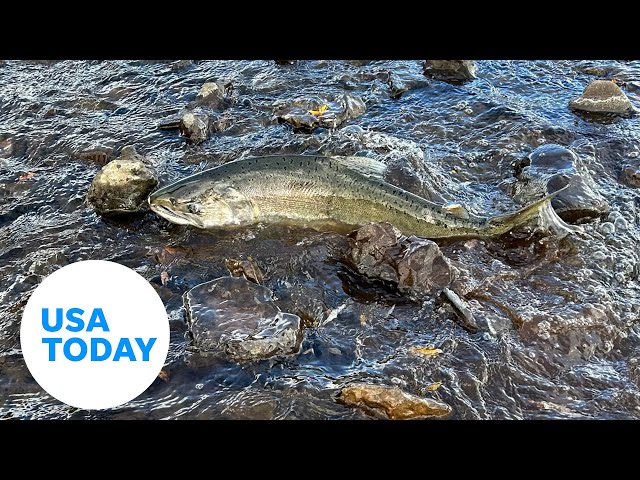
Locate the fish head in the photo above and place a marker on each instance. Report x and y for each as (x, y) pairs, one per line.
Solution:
(201, 204)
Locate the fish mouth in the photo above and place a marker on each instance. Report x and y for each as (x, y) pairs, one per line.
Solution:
(172, 215)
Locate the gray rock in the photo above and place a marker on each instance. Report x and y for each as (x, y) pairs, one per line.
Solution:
(195, 126)
(553, 167)
(122, 185)
(238, 317)
(602, 96)
(415, 265)
(453, 71)
(630, 175)
(391, 402)
(307, 114)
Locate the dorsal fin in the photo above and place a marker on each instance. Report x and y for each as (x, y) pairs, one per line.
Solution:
(364, 165)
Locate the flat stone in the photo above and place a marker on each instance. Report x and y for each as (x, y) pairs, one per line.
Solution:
(122, 185)
(602, 96)
(392, 402)
(238, 317)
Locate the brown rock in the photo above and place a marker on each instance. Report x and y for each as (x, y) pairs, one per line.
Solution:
(392, 402)
(415, 265)
(245, 268)
(602, 96)
(423, 268)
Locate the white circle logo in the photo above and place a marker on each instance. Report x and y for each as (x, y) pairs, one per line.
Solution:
(94, 334)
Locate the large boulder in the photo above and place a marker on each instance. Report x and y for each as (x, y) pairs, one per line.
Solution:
(122, 185)
(602, 96)
(391, 402)
(553, 167)
(238, 317)
(453, 71)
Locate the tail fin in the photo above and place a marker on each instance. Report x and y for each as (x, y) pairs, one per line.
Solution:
(548, 217)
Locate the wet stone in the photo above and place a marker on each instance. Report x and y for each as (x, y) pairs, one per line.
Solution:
(416, 266)
(453, 71)
(215, 95)
(391, 402)
(602, 96)
(553, 167)
(630, 175)
(373, 249)
(7, 146)
(423, 269)
(101, 156)
(244, 268)
(122, 185)
(195, 126)
(238, 317)
(308, 114)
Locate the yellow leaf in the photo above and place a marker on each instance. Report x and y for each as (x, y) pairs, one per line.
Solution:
(426, 351)
(320, 111)
(434, 386)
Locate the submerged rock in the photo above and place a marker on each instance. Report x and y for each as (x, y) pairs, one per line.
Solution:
(415, 265)
(195, 126)
(238, 317)
(454, 71)
(630, 175)
(392, 402)
(307, 114)
(552, 167)
(602, 96)
(122, 185)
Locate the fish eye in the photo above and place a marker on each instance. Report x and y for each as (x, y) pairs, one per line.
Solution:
(193, 208)
(173, 201)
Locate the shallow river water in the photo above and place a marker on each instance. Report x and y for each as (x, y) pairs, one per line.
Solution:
(560, 319)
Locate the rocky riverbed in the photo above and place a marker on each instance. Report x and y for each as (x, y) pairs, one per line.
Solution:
(284, 322)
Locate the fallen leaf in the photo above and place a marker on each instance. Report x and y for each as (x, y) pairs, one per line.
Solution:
(163, 375)
(426, 351)
(170, 249)
(320, 111)
(434, 386)
(26, 176)
(164, 277)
